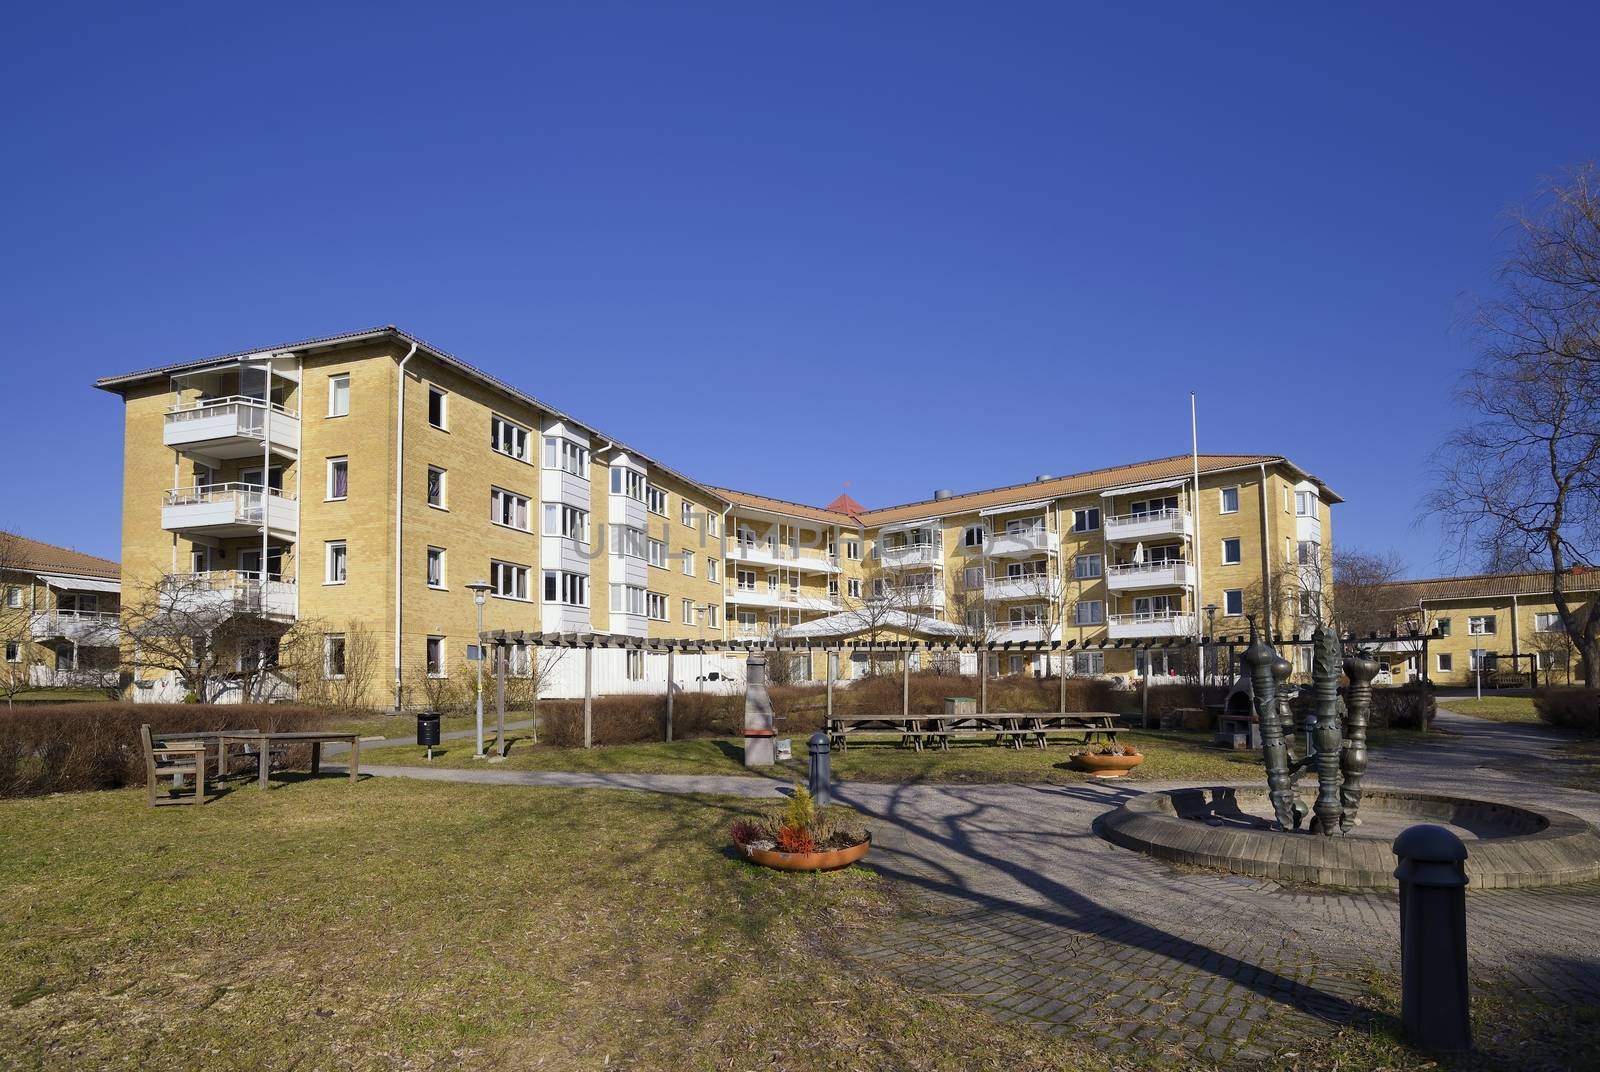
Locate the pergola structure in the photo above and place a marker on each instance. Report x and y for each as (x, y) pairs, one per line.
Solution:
(501, 639)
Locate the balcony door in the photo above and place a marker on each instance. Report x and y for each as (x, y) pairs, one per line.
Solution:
(253, 476)
(250, 563)
(1153, 606)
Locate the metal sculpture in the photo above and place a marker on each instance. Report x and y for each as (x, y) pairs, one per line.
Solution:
(1259, 659)
(1359, 670)
(1325, 660)
(1281, 669)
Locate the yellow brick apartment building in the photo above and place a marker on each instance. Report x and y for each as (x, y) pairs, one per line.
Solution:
(358, 483)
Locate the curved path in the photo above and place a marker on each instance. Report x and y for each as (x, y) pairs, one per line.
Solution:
(1022, 909)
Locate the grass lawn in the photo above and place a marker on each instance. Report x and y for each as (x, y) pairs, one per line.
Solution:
(1495, 708)
(403, 924)
(1170, 756)
(1575, 764)
(388, 725)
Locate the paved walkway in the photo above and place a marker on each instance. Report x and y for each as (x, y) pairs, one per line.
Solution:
(1024, 911)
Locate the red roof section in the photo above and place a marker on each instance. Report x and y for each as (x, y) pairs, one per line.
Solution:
(844, 504)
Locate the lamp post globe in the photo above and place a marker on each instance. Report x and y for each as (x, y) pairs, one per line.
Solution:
(480, 596)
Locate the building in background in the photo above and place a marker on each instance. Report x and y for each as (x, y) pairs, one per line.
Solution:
(334, 497)
(58, 616)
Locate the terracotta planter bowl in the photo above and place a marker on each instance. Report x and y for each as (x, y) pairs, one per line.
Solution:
(1105, 766)
(831, 860)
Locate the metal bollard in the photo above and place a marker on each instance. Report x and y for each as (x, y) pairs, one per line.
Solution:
(1433, 938)
(821, 772)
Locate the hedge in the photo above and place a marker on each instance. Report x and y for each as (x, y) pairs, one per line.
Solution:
(82, 746)
(1569, 708)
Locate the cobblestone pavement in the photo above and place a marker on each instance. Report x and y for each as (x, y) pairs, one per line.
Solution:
(1024, 911)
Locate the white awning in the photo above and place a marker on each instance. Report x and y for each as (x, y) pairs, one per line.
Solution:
(1031, 504)
(80, 584)
(1160, 485)
(852, 622)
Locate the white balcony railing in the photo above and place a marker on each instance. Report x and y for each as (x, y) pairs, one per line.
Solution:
(231, 427)
(1026, 542)
(913, 595)
(223, 593)
(1162, 574)
(93, 627)
(1021, 586)
(1159, 624)
(1149, 524)
(1024, 632)
(767, 597)
(781, 555)
(229, 510)
(910, 554)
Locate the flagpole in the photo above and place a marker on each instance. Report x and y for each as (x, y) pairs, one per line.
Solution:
(1194, 447)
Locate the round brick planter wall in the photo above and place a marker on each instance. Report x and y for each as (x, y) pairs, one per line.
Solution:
(1513, 847)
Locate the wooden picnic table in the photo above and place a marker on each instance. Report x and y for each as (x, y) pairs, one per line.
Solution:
(1014, 728)
(315, 738)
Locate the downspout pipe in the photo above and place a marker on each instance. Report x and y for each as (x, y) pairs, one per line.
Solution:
(399, 503)
(1266, 561)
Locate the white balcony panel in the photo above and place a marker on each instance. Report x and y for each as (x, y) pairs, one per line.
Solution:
(1024, 633)
(1033, 586)
(919, 554)
(780, 556)
(234, 427)
(95, 628)
(1151, 525)
(1132, 576)
(228, 592)
(1031, 542)
(782, 599)
(222, 511)
(1136, 626)
(558, 552)
(917, 596)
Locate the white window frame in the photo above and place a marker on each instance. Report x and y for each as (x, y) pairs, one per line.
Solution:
(520, 504)
(436, 553)
(328, 644)
(656, 552)
(13, 651)
(1237, 546)
(562, 454)
(1442, 625)
(567, 522)
(1444, 661)
(1089, 612)
(655, 606)
(974, 536)
(571, 589)
(1547, 621)
(505, 435)
(713, 616)
(655, 500)
(14, 596)
(339, 384)
(686, 607)
(1222, 500)
(344, 460)
(686, 513)
(713, 523)
(852, 587)
(508, 580)
(1232, 597)
(688, 563)
(1096, 560)
(443, 424)
(712, 573)
(444, 487)
(852, 550)
(335, 551)
(1476, 625)
(434, 662)
(1081, 517)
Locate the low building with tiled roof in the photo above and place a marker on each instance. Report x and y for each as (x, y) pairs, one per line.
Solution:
(58, 615)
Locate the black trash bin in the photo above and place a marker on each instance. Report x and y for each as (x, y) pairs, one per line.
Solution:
(427, 728)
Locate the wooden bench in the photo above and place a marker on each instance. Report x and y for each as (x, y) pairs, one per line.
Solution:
(1015, 729)
(173, 759)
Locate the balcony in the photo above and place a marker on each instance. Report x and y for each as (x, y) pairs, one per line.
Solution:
(1034, 586)
(780, 556)
(1152, 524)
(232, 427)
(914, 596)
(93, 628)
(780, 599)
(1024, 633)
(1145, 626)
(910, 554)
(1130, 576)
(1026, 542)
(221, 511)
(221, 594)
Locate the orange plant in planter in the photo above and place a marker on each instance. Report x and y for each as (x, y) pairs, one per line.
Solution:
(1114, 761)
(801, 839)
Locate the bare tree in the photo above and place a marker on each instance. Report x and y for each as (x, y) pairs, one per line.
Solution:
(18, 653)
(1521, 482)
(889, 594)
(1364, 596)
(342, 671)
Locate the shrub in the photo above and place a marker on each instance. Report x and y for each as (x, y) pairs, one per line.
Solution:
(85, 746)
(1569, 708)
(795, 839)
(1404, 707)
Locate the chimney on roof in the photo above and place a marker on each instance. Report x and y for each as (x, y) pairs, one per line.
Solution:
(940, 494)
(1043, 476)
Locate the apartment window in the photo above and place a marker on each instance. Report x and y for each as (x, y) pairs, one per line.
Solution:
(713, 524)
(686, 512)
(627, 482)
(852, 550)
(1443, 626)
(13, 597)
(972, 578)
(1089, 612)
(1305, 504)
(686, 608)
(655, 605)
(1445, 661)
(772, 582)
(627, 599)
(1088, 662)
(1232, 552)
(13, 651)
(433, 657)
(1480, 625)
(1547, 623)
(1230, 501)
(1549, 660)
(333, 656)
(571, 589)
(711, 569)
(1233, 602)
(628, 541)
(436, 567)
(1481, 659)
(338, 478)
(339, 396)
(655, 500)
(508, 508)
(508, 580)
(833, 588)
(688, 563)
(974, 536)
(852, 587)
(1086, 567)
(509, 439)
(1303, 656)
(1310, 605)
(1086, 520)
(255, 653)
(567, 456)
(713, 616)
(567, 521)
(436, 487)
(745, 579)
(1306, 552)
(438, 411)
(200, 560)
(657, 552)
(337, 562)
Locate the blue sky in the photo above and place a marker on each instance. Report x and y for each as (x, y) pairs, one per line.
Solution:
(786, 247)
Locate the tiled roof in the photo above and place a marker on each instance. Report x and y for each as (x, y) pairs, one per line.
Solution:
(1485, 585)
(844, 504)
(25, 555)
(783, 506)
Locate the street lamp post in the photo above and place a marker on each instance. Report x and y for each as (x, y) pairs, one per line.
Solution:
(480, 596)
(1211, 635)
